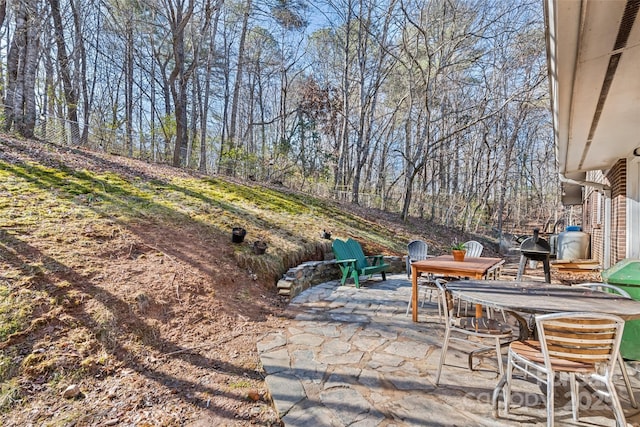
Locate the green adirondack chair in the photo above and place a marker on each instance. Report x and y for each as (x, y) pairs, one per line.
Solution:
(354, 263)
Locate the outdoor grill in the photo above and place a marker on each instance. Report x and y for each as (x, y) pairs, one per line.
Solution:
(535, 249)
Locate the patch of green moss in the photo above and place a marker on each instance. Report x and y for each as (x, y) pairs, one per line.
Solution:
(9, 394)
(239, 384)
(287, 219)
(8, 369)
(15, 311)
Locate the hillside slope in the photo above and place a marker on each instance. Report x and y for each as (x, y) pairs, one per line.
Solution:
(120, 278)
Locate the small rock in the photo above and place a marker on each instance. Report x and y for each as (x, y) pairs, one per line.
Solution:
(253, 395)
(143, 302)
(113, 392)
(112, 422)
(71, 392)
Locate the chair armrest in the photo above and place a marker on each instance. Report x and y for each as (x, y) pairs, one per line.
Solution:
(346, 261)
(375, 259)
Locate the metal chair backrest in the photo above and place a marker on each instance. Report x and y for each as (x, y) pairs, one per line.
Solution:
(474, 248)
(604, 287)
(446, 299)
(585, 338)
(416, 251)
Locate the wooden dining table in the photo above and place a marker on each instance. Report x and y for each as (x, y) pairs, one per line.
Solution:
(471, 267)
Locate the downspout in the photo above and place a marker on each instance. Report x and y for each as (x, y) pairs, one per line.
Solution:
(606, 250)
(606, 238)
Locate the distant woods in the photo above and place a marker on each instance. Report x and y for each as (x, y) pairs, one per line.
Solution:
(429, 108)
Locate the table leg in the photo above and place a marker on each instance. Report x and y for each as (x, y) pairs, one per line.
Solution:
(521, 267)
(524, 332)
(478, 315)
(480, 350)
(414, 293)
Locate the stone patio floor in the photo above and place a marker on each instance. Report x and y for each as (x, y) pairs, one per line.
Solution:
(352, 357)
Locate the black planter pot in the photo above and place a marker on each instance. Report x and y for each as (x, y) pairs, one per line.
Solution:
(259, 247)
(326, 234)
(237, 234)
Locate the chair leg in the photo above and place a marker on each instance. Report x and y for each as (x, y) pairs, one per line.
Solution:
(495, 396)
(431, 291)
(627, 383)
(410, 302)
(499, 357)
(575, 396)
(550, 398)
(345, 276)
(507, 387)
(424, 298)
(615, 403)
(466, 307)
(445, 344)
(356, 279)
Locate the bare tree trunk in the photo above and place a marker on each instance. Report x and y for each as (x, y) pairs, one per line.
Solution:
(14, 95)
(3, 11)
(203, 105)
(179, 16)
(22, 62)
(152, 109)
(128, 84)
(30, 71)
(204, 109)
(343, 147)
(3, 15)
(179, 75)
(236, 86)
(79, 38)
(48, 104)
(166, 94)
(193, 125)
(70, 94)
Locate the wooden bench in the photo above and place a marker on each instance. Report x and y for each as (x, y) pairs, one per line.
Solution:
(354, 263)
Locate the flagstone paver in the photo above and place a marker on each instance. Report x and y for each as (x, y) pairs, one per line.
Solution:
(351, 357)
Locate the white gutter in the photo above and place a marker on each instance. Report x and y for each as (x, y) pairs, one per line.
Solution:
(597, 185)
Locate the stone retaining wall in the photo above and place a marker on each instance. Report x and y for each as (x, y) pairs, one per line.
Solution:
(312, 273)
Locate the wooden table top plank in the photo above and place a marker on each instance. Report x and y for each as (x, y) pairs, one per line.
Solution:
(444, 264)
(538, 298)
